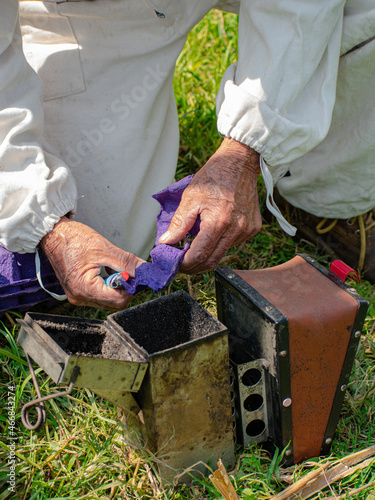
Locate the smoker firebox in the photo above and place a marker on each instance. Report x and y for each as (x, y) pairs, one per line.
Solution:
(165, 363)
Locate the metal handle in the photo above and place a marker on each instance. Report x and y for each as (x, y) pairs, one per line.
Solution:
(39, 402)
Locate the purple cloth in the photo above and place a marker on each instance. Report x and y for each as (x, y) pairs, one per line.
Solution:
(166, 259)
(19, 287)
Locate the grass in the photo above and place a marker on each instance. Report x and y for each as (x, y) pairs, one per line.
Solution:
(81, 452)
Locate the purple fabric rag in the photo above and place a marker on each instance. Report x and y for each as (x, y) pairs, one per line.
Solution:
(166, 259)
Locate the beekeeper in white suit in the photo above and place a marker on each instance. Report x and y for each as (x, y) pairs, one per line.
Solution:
(78, 181)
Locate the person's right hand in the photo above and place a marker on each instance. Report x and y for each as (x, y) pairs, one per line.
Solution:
(223, 193)
(77, 254)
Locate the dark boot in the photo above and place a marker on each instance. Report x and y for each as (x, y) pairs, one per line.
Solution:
(351, 240)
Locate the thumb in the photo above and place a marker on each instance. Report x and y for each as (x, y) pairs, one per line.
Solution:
(180, 225)
(125, 261)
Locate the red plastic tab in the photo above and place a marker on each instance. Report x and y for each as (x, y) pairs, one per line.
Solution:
(125, 275)
(344, 271)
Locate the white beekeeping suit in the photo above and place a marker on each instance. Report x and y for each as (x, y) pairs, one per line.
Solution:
(110, 121)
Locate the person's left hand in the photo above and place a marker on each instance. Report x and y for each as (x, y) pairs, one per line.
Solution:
(77, 253)
(224, 194)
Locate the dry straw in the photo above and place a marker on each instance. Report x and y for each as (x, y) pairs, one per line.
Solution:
(312, 483)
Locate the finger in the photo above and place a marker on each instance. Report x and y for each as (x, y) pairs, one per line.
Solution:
(119, 260)
(97, 304)
(247, 227)
(115, 298)
(218, 232)
(204, 245)
(192, 264)
(243, 237)
(206, 252)
(94, 293)
(181, 223)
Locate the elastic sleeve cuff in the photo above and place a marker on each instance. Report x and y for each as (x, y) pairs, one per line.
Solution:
(278, 99)
(248, 119)
(48, 192)
(43, 225)
(48, 223)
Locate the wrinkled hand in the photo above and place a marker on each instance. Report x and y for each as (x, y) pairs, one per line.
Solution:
(77, 254)
(224, 194)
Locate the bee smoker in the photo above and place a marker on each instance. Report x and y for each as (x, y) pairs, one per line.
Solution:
(293, 334)
(276, 373)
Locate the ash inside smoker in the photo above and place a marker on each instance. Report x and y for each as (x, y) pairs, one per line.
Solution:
(166, 322)
(86, 339)
(160, 324)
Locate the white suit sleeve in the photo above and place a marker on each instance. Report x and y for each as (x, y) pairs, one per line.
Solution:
(36, 188)
(278, 98)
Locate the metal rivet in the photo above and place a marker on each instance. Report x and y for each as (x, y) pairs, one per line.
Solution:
(343, 387)
(288, 453)
(287, 402)
(328, 441)
(282, 354)
(357, 334)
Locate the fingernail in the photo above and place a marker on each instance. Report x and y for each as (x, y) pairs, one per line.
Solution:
(164, 237)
